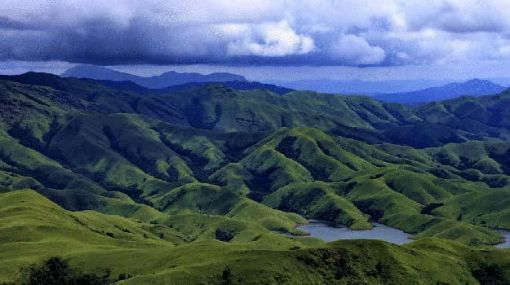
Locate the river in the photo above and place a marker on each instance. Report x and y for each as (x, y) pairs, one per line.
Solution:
(327, 233)
(505, 244)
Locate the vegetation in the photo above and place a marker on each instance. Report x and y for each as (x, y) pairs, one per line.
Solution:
(89, 253)
(214, 179)
(56, 271)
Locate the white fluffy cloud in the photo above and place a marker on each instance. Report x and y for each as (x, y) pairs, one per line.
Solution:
(320, 32)
(267, 39)
(352, 49)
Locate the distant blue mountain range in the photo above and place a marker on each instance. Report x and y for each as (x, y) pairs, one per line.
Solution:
(164, 80)
(474, 87)
(398, 91)
(364, 87)
(169, 81)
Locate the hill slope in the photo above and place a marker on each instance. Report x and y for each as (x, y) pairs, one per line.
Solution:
(117, 245)
(215, 168)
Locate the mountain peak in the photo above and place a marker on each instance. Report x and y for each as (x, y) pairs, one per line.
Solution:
(479, 82)
(476, 80)
(98, 73)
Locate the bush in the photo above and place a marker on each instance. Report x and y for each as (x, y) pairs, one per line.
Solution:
(225, 235)
(56, 271)
(228, 230)
(226, 276)
(492, 274)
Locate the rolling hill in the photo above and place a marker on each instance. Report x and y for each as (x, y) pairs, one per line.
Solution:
(99, 243)
(224, 173)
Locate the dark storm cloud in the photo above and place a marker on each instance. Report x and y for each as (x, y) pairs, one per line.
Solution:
(10, 24)
(279, 32)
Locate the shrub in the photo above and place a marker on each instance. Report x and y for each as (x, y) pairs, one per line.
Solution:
(226, 276)
(228, 230)
(492, 274)
(56, 271)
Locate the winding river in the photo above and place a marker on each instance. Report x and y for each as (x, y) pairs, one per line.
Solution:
(505, 244)
(327, 233)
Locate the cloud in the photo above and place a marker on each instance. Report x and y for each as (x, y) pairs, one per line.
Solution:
(266, 40)
(356, 50)
(299, 32)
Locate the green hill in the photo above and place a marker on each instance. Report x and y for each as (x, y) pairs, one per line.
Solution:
(228, 174)
(95, 243)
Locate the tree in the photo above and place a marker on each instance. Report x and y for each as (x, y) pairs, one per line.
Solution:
(56, 271)
(227, 277)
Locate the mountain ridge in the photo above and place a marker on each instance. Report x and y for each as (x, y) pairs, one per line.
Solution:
(164, 80)
(221, 171)
(473, 87)
(357, 86)
(202, 106)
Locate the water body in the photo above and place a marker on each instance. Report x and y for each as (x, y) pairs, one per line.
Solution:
(379, 232)
(505, 244)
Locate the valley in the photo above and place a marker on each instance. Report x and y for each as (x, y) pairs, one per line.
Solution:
(200, 181)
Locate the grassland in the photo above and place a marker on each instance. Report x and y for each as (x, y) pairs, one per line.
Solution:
(33, 228)
(209, 178)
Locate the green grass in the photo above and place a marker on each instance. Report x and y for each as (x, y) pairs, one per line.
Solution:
(488, 208)
(318, 201)
(33, 229)
(224, 174)
(274, 220)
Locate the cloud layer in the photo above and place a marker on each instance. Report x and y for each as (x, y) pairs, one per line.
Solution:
(276, 32)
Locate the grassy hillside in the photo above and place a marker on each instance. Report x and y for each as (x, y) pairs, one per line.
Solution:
(229, 173)
(86, 157)
(95, 243)
(224, 108)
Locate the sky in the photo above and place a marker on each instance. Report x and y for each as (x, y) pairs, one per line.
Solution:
(261, 39)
